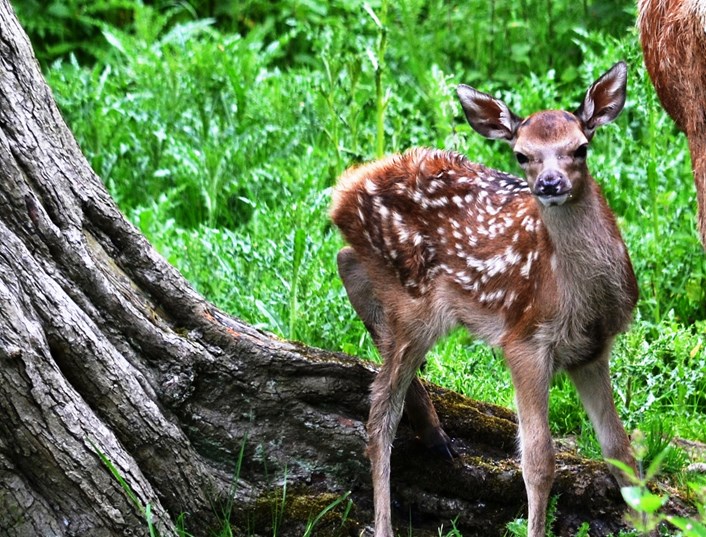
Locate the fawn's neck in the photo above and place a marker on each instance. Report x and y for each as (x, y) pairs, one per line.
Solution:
(589, 262)
(583, 233)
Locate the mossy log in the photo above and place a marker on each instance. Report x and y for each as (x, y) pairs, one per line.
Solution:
(104, 347)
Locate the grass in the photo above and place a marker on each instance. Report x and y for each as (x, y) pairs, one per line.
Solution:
(220, 133)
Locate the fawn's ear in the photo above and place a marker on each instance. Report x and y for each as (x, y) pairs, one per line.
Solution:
(604, 99)
(488, 116)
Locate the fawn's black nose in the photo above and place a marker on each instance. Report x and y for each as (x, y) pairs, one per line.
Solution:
(551, 183)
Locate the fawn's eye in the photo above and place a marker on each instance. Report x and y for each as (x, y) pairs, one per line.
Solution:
(581, 151)
(522, 159)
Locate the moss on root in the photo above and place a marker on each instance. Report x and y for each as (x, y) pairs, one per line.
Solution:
(301, 507)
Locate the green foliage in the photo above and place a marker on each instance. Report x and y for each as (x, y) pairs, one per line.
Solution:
(77, 26)
(646, 516)
(453, 532)
(654, 357)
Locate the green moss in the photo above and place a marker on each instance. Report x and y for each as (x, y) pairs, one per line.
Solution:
(301, 507)
(465, 417)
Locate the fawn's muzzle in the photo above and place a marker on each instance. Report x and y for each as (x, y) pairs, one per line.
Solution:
(552, 188)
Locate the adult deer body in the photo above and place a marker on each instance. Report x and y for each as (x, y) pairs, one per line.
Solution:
(537, 268)
(673, 38)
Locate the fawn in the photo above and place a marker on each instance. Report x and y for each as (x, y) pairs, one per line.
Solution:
(536, 267)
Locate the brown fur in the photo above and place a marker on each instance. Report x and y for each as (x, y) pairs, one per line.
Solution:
(438, 241)
(673, 38)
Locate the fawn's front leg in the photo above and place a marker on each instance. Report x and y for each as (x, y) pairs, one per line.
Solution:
(531, 370)
(592, 382)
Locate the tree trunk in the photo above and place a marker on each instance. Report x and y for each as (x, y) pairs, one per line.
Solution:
(106, 349)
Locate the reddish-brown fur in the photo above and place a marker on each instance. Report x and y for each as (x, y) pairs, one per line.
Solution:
(673, 37)
(536, 267)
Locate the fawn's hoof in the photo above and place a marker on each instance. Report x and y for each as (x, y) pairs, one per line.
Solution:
(439, 443)
(445, 450)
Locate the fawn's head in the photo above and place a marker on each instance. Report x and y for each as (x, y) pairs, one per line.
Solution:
(550, 146)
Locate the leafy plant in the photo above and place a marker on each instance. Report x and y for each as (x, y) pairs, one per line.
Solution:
(646, 505)
(518, 527)
(453, 532)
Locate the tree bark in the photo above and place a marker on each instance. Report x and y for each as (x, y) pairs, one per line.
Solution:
(105, 348)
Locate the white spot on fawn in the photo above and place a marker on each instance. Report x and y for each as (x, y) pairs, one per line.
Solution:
(441, 201)
(434, 186)
(509, 299)
(496, 265)
(512, 257)
(462, 277)
(495, 296)
(525, 270)
(402, 233)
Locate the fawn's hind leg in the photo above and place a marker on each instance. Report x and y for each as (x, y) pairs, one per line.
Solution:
(418, 405)
(425, 421)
